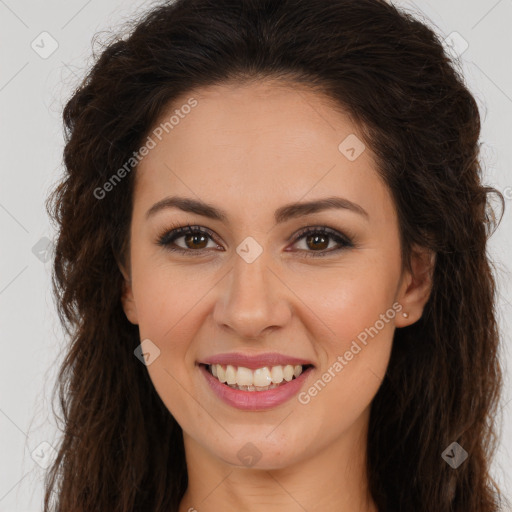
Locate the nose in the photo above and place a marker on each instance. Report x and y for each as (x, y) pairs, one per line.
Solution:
(252, 299)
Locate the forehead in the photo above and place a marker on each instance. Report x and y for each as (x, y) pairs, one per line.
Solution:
(246, 117)
(270, 141)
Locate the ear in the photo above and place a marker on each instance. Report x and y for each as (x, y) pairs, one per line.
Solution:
(416, 286)
(127, 300)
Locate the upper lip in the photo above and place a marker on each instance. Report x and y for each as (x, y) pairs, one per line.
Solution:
(255, 361)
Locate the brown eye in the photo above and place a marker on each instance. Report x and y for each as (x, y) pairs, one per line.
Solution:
(195, 239)
(317, 239)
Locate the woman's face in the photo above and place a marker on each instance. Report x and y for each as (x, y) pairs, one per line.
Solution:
(253, 285)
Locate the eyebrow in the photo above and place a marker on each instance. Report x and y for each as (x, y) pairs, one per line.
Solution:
(282, 214)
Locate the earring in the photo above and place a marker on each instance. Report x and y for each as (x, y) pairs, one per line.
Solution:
(406, 315)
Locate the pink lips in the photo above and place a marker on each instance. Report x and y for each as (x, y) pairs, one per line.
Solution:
(256, 361)
(255, 400)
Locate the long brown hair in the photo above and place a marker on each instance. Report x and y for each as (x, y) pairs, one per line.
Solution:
(121, 449)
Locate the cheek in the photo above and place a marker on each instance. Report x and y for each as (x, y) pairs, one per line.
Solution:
(360, 313)
(354, 362)
(353, 326)
(347, 300)
(167, 295)
(168, 316)
(167, 312)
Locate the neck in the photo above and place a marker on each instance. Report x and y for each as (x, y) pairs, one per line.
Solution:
(332, 479)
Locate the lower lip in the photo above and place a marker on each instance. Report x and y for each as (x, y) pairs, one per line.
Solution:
(255, 400)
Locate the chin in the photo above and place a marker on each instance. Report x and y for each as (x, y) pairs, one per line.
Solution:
(257, 450)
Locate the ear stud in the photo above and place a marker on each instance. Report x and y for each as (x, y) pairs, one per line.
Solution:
(406, 315)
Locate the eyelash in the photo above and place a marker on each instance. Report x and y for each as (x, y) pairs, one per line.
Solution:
(174, 232)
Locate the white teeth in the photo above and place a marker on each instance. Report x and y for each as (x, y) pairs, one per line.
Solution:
(288, 372)
(261, 377)
(243, 376)
(252, 380)
(277, 374)
(221, 373)
(230, 374)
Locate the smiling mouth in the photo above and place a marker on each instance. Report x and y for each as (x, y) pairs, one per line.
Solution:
(260, 379)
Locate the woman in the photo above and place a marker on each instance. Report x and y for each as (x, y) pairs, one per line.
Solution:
(272, 266)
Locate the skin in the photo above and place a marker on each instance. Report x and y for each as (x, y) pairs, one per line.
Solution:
(250, 149)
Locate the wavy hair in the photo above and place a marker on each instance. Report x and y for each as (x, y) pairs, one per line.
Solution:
(121, 450)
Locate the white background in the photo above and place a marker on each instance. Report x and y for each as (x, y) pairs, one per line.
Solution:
(33, 91)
